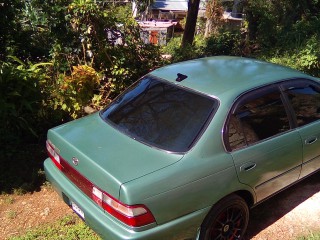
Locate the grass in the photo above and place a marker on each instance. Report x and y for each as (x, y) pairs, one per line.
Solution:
(67, 228)
(11, 214)
(312, 236)
(8, 199)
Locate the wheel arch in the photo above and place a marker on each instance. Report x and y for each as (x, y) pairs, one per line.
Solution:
(241, 201)
(247, 196)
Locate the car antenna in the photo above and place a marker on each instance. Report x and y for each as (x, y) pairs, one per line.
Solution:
(181, 77)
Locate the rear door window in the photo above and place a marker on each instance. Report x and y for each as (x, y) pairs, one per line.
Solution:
(305, 100)
(258, 115)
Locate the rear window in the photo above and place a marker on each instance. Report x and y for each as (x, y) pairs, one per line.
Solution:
(160, 114)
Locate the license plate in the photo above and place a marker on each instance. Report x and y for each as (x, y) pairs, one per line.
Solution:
(77, 210)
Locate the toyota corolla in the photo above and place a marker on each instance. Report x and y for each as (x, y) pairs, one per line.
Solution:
(188, 149)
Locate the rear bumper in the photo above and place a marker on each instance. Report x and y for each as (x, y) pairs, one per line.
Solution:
(107, 227)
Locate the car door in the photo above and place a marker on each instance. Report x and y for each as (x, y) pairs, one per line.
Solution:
(304, 97)
(266, 150)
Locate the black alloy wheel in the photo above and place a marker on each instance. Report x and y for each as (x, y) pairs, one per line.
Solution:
(227, 220)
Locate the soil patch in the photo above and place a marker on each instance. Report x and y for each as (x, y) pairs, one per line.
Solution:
(292, 213)
(19, 214)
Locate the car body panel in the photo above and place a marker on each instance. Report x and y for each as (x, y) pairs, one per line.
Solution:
(215, 76)
(277, 164)
(199, 181)
(310, 135)
(109, 228)
(103, 159)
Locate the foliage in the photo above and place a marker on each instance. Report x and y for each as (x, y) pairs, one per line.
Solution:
(285, 32)
(223, 43)
(143, 5)
(312, 236)
(305, 58)
(79, 33)
(21, 97)
(10, 26)
(23, 122)
(110, 45)
(69, 227)
(214, 12)
(69, 54)
(39, 22)
(73, 92)
(261, 22)
(283, 23)
(179, 54)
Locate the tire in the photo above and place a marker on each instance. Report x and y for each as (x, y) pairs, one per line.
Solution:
(227, 220)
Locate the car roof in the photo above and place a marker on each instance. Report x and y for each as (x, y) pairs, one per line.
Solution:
(216, 76)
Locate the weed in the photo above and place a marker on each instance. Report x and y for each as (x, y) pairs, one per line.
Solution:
(311, 236)
(8, 199)
(11, 214)
(19, 191)
(67, 228)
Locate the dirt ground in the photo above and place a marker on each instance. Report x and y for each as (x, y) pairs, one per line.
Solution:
(292, 213)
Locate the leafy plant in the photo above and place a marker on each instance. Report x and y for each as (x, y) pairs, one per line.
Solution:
(21, 96)
(305, 58)
(106, 41)
(223, 43)
(75, 91)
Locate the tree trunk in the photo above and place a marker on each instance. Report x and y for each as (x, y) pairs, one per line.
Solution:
(189, 30)
(208, 29)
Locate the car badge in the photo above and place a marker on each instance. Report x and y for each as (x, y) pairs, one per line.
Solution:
(75, 161)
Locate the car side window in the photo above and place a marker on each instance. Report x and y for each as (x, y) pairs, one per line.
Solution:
(257, 118)
(305, 101)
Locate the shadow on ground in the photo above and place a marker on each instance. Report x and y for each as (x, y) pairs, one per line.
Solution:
(268, 212)
(21, 168)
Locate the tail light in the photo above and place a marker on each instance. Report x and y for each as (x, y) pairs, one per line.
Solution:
(134, 216)
(53, 154)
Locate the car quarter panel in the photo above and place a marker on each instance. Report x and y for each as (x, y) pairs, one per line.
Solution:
(191, 184)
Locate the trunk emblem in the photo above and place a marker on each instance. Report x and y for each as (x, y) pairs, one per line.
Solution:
(75, 161)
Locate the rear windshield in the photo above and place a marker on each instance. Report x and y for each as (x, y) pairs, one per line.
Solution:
(160, 114)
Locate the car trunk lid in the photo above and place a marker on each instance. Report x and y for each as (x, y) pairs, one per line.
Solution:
(104, 156)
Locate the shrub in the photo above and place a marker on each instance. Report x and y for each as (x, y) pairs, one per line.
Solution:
(224, 43)
(21, 97)
(306, 58)
(106, 41)
(179, 54)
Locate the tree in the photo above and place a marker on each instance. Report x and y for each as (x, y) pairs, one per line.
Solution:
(10, 27)
(188, 34)
(214, 13)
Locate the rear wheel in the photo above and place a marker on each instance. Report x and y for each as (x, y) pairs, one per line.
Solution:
(227, 220)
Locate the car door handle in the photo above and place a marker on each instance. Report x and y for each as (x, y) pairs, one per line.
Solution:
(311, 140)
(248, 166)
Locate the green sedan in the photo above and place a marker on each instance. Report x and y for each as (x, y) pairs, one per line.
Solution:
(188, 149)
